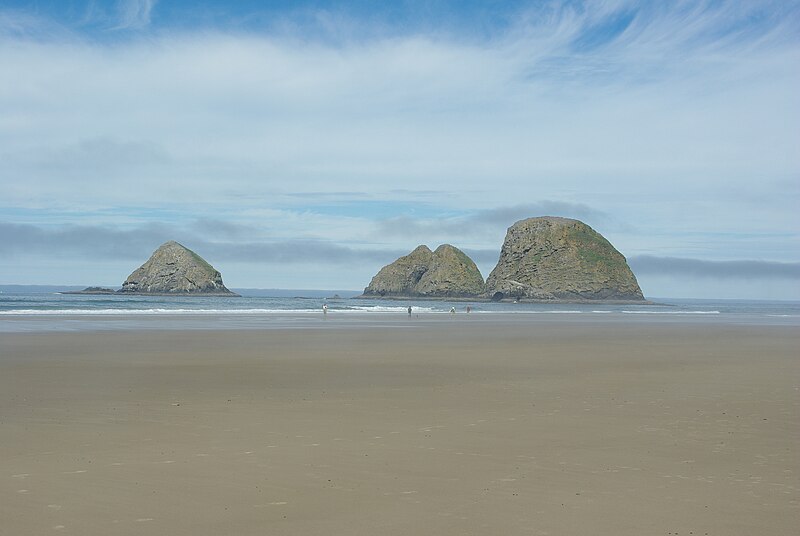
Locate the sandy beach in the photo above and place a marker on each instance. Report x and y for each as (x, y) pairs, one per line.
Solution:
(440, 428)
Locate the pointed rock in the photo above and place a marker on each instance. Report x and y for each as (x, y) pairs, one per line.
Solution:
(401, 277)
(175, 269)
(445, 273)
(552, 258)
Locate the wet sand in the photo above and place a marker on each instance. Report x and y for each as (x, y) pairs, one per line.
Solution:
(462, 427)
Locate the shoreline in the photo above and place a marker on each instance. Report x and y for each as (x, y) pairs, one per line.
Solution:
(480, 299)
(354, 320)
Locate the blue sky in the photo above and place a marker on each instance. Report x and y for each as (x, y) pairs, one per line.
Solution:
(306, 144)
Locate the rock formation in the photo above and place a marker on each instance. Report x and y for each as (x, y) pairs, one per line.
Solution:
(175, 270)
(92, 290)
(552, 258)
(444, 273)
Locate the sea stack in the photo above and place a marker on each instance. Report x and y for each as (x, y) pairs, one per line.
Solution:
(551, 258)
(175, 270)
(445, 273)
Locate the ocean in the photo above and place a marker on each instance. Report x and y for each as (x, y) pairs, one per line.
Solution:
(53, 311)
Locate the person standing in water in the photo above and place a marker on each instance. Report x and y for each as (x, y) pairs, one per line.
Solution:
(409, 311)
(325, 309)
(452, 310)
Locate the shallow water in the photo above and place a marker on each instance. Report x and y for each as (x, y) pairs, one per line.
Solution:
(68, 312)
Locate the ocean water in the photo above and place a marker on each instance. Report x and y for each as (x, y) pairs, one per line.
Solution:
(51, 311)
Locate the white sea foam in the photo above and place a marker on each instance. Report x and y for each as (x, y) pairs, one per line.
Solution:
(670, 312)
(157, 311)
(108, 312)
(520, 312)
(389, 309)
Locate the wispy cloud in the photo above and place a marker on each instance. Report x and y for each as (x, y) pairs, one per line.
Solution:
(25, 25)
(487, 222)
(212, 228)
(134, 13)
(506, 216)
(684, 100)
(424, 229)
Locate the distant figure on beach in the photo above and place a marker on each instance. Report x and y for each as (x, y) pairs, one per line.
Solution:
(409, 311)
(325, 308)
(452, 310)
(469, 308)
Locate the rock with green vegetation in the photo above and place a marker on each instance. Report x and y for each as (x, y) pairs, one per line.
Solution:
(552, 258)
(445, 273)
(175, 270)
(451, 274)
(92, 290)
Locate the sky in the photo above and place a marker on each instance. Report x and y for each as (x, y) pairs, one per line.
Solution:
(306, 144)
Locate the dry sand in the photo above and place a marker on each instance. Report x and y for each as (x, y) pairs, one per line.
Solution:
(466, 427)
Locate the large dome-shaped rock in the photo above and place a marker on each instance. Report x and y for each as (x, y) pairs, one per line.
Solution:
(445, 273)
(553, 258)
(174, 269)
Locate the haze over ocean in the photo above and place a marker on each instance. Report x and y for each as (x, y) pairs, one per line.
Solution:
(37, 312)
(306, 144)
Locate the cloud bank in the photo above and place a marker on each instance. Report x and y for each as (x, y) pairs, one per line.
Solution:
(97, 244)
(696, 268)
(230, 242)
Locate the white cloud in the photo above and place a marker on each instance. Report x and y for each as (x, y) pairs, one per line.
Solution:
(416, 109)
